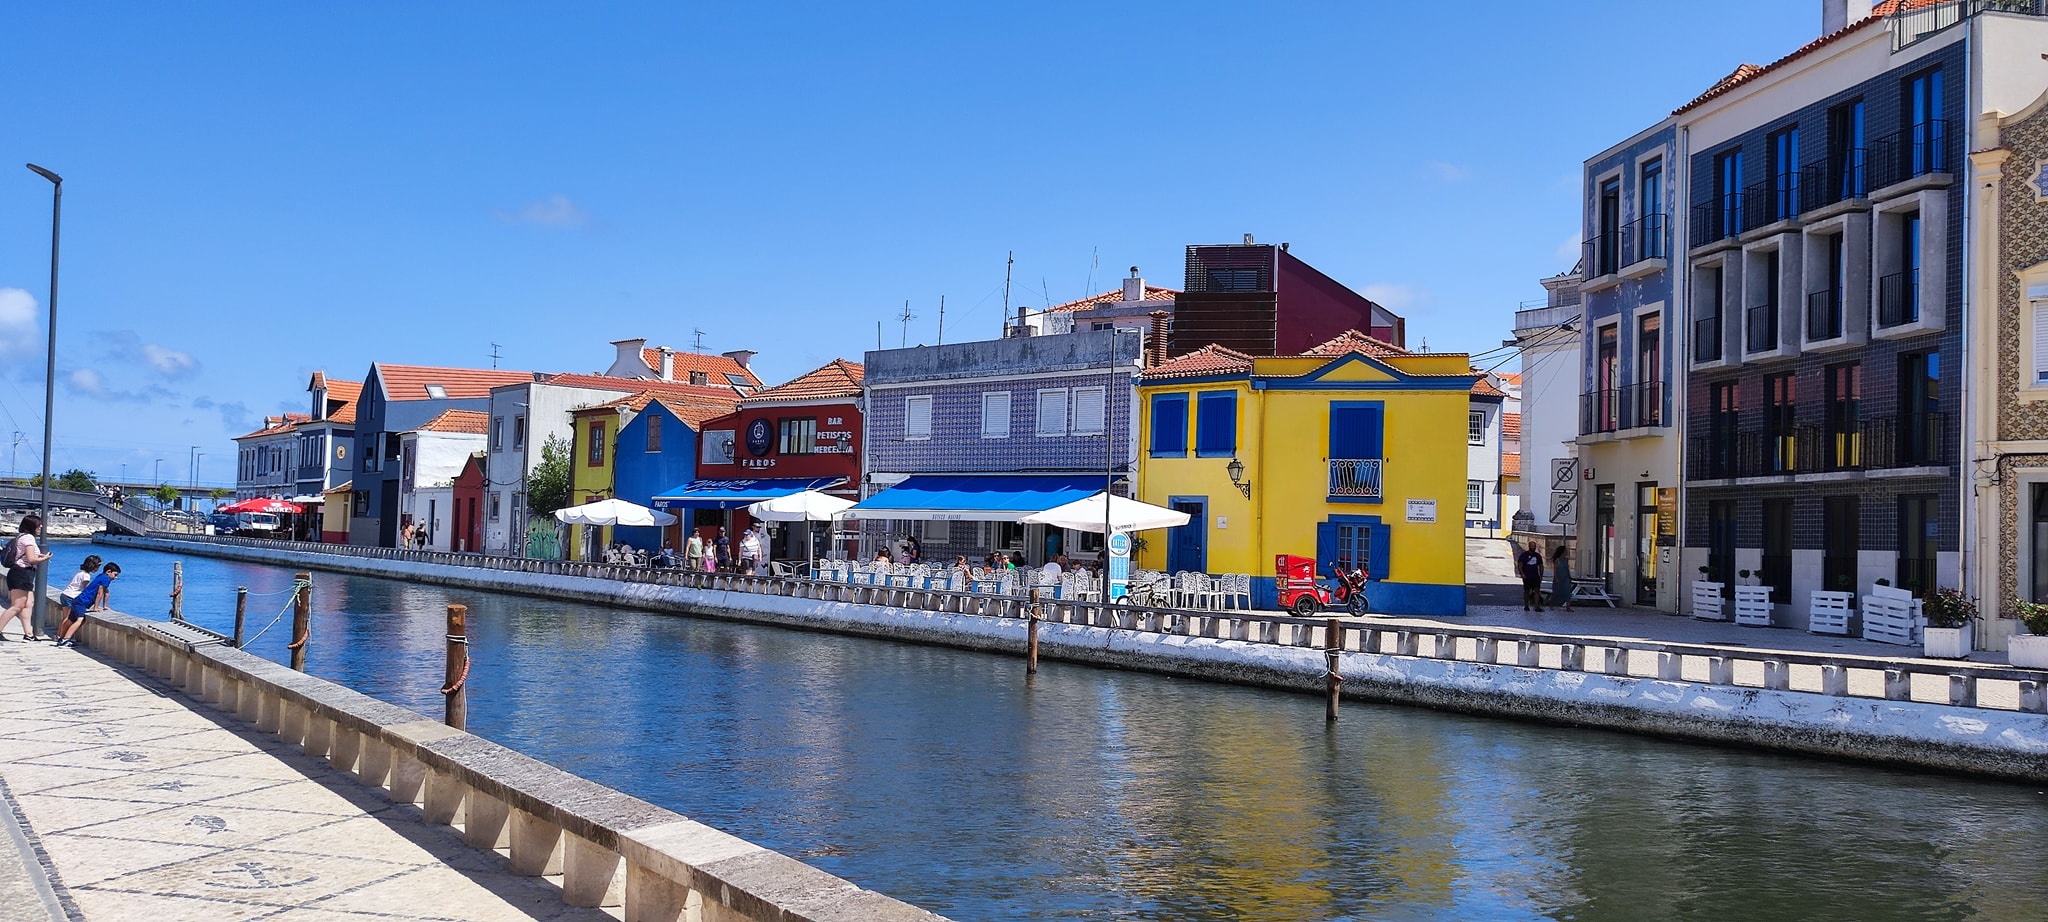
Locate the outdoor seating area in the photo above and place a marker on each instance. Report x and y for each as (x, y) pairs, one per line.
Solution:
(1189, 590)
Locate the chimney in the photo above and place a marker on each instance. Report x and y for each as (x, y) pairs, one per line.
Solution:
(1155, 339)
(1134, 287)
(1283, 246)
(741, 356)
(629, 352)
(1836, 15)
(1247, 240)
(668, 364)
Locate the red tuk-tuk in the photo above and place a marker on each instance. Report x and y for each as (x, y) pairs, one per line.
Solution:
(1300, 593)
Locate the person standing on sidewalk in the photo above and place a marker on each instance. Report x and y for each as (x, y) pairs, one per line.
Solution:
(1529, 566)
(1561, 577)
(23, 556)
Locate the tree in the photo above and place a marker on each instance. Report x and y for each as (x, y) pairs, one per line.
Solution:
(547, 488)
(77, 481)
(219, 493)
(165, 494)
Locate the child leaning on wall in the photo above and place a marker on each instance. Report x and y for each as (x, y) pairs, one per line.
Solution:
(86, 568)
(94, 597)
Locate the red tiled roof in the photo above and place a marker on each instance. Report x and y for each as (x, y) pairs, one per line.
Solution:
(1748, 72)
(716, 367)
(837, 378)
(695, 412)
(1511, 377)
(1511, 425)
(471, 422)
(1511, 464)
(273, 425)
(1354, 341)
(1208, 360)
(350, 391)
(1484, 387)
(346, 486)
(716, 391)
(409, 382)
(693, 409)
(1152, 293)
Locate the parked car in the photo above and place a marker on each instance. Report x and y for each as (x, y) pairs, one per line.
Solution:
(256, 524)
(221, 521)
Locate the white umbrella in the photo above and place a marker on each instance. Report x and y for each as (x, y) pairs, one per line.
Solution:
(613, 512)
(807, 506)
(1122, 515)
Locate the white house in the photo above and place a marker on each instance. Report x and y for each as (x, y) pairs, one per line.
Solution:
(429, 458)
(1549, 338)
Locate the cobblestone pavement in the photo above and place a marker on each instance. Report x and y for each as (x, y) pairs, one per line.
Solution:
(143, 808)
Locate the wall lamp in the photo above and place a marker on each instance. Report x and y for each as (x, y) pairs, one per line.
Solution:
(1236, 471)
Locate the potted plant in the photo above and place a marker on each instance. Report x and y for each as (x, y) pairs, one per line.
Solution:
(1948, 614)
(2030, 650)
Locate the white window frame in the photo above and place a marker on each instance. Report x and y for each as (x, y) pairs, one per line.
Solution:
(519, 432)
(1475, 423)
(1043, 419)
(1475, 496)
(914, 408)
(2033, 317)
(1101, 396)
(990, 400)
(497, 433)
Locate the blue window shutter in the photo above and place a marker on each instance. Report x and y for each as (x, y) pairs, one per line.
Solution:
(1357, 430)
(1216, 424)
(1326, 545)
(1381, 551)
(1169, 425)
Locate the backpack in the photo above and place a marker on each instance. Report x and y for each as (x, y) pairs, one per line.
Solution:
(10, 556)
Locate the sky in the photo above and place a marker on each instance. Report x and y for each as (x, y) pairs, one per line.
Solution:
(257, 191)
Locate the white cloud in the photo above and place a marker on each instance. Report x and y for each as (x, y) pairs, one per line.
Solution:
(168, 362)
(18, 324)
(554, 211)
(1447, 172)
(87, 381)
(1396, 297)
(1568, 251)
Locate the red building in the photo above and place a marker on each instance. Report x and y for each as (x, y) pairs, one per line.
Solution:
(781, 440)
(1259, 299)
(468, 537)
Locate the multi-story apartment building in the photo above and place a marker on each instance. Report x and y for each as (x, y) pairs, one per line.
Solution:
(325, 437)
(266, 460)
(397, 399)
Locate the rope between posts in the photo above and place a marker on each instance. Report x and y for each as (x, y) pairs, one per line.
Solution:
(298, 585)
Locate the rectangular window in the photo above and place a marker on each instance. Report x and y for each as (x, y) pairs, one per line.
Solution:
(1216, 424)
(1840, 532)
(1843, 449)
(1706, 316)
(1928, 131)
(1721, 544)
(1606, 243)
(1845, 131)
(1782, 430)
(995, 415)
(1784, 165)
(1648, 400)
(653, 433)
(596, 457)
(1357, 430)
(1091, 409)
(1169, 425)
(518, 506)
(1475, 496)
(518, 433)
(1723, 429)
(1607, 379)
(1052, 412)
(1777, 557)
(1920, 422)
(797, 436)
(359, 503)
(2040, 312)
(1763, 318)
(1475, 427)
(1727, 201)
(1919, 534)
(917, 417)
(497, 433)
(1650, 212)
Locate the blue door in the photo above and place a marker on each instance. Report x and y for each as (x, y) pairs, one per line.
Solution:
(1187, 547)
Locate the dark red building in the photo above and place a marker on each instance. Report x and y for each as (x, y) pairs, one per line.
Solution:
(808, 429)
(1258, 299)
(468, 537)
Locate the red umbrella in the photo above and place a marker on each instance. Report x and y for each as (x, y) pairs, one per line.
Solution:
(261, 504)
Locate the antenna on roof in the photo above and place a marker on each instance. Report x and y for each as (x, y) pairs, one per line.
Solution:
(494, 356)
(699, 344)
(1010, 261)
(905, 317)
(942, 320)
(1094, 260)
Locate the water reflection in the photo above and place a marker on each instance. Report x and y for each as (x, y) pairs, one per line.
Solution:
(948, 779)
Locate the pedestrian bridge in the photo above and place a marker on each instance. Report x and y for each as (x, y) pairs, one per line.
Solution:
(131, 518)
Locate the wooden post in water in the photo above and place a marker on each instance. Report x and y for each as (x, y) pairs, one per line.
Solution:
(1031, 636)
(177, 590)
(1333, 641)
(241, 610)
(455, 709)
(302, 621)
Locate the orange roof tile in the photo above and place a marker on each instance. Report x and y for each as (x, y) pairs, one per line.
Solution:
(1208, 360)
(716, 367)
(837, 378)
(471, 422)
(346, 486)
(1511, 465)
(274, 425)
(409, 382)
(1152, 293)
(1484, 387)
(693, 409)
(1511, 377)
(717, 391)
(1748, 72)
(1511, 425)
(1354, 341)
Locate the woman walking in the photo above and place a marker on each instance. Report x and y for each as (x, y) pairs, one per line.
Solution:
(22, 556)
(1561, 581)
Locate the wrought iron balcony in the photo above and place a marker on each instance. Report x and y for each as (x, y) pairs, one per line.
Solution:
(1762, 328)
(1772, 200)
(1898, 298)
(1603, 254)
(1915, 150)
(1634, 406)
(1718, 218)
(1706, 339)
(1836, 179)
(1824, 315)
(1357, 478)
(1876, 443)
(1647, 237)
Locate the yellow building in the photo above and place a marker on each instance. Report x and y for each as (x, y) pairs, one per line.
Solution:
(591, 450)
(1354, 451)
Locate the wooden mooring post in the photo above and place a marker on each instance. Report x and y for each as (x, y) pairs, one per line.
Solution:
(177, 590)
(455, 697)
(1333, 643)
(302, 621)
(1031, 636)
(241, 612)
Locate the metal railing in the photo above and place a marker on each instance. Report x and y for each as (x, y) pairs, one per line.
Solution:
(1770, 201)
(1603, 254)
(1632, 406)
(1647, 237)
(1718, 218)
(1355, 477)
(1839, 178)
(1706, 339)
(1898, 298)
(1908, 440)
(1762, 328)
(1911, 25)
(1824, 315)
(1915, 150)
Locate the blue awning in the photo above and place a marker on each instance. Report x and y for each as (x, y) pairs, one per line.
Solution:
(726, 494)
(976, 498)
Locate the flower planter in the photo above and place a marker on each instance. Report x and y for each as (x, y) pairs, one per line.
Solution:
(1753, 606)
(2028, 651)
(1707, 604)
(1946, 642)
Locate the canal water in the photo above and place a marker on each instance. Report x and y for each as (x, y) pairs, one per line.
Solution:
(947, 779)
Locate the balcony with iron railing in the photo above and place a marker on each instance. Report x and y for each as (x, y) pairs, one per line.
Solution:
(1602, 254)
(1913, 151)
(1824, 315)
(1762, 328)
(1770, 201)
(1355, 478)
(1898, 298)
(1839, 178)
(1912, 22)
(1618, 409)
(1719, 218)
(1883, 443)
(1647, 237)
(1706, 339)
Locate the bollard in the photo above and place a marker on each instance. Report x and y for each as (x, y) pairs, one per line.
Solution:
(302, 621)
(177, 591)
(455, 698)
(241, 611)
(1031, 636)
(1333, 641)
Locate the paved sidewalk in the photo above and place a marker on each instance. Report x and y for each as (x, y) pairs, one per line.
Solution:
(150, 810)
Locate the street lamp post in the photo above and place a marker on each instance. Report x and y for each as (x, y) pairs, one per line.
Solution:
(49, 369)
(159, 477)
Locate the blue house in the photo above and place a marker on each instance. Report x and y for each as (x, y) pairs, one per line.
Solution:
(657, 448)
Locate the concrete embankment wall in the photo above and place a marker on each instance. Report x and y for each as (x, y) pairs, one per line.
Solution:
(1971, 740)
(603, 847)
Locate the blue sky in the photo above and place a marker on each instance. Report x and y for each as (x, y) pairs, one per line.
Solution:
(256, 191)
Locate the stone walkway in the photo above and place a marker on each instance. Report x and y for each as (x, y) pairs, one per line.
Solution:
(137, 807)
